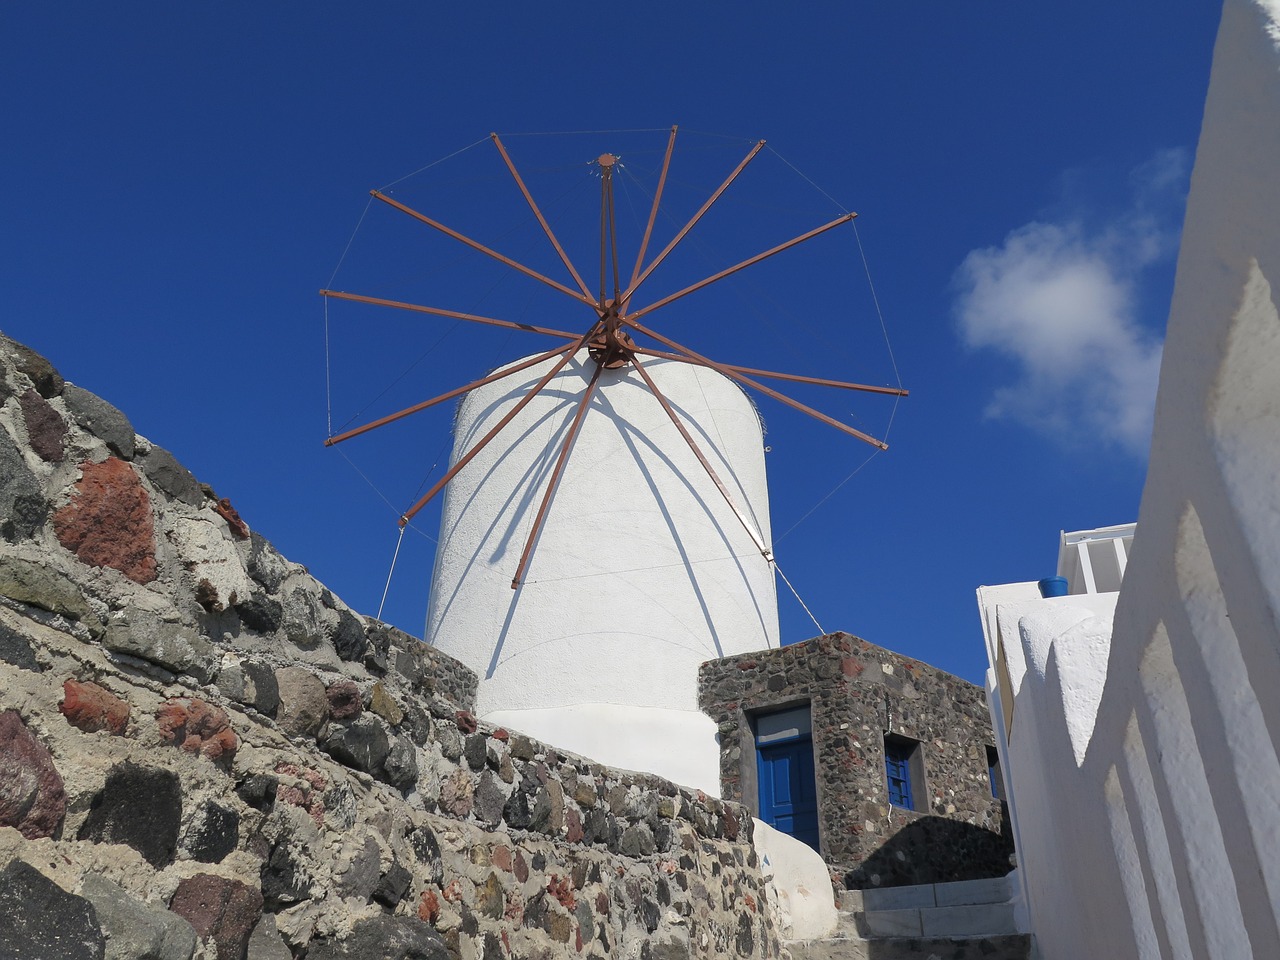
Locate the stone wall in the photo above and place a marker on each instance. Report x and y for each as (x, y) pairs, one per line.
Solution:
(857, 692)
(204, 753)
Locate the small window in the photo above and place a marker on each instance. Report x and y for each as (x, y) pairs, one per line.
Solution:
(994, 776)
(901, 767)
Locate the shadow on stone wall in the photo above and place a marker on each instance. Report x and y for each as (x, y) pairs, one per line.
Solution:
(936, 850)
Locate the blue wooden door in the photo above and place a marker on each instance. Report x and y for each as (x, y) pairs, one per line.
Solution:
(788, 791)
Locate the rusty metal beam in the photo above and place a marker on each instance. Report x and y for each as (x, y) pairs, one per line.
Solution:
(741, 378)
(793, 377)
(752, 532)
(454, 314)
(653, 213)
(626, 295)
(561, 460)
(476, 245)
(408, 411)
(511, 415)
(847, 218)
(546, 227)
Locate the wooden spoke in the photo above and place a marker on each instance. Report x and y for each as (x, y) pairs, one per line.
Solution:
(454, 314)
(511, 415)
(847, 218)
(475, 245)
(742, 378)
(626, 296)
(706, 464)
(561, 460)
(653, 212)
(546, 227)
(409, 411)
(793, 377)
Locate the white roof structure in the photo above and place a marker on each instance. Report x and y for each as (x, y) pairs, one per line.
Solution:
(1093, 561)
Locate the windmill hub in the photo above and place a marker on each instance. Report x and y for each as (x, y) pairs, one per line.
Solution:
(611, 348)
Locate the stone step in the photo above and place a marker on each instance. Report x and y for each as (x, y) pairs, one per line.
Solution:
(957, 893)
(964, 909)
(965, 920)
(1013, 947)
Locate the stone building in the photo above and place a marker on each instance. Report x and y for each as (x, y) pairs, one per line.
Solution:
(882, 763)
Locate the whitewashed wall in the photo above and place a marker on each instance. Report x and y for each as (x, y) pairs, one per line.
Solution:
(1148, 793)
(641, 573)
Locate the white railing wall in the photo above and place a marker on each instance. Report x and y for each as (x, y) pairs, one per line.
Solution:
(1141, 749)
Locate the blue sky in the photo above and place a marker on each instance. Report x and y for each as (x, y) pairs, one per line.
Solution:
(180, 180)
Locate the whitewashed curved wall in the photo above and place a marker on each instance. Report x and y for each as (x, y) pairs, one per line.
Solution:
(1144, 796)
(642, 571)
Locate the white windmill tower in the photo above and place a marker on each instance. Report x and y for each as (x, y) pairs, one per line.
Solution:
(606, 523)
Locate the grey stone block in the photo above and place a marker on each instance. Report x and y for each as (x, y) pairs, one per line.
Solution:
(849, 901)
(892, 923)
(40, 919)
(971, 920)
(163, 469)
(101, 419)
(45, 587)
(171, 645)
(991, 890)
(898, 898)
(140, 807)
(265, 942)
(136, 930)
(23, 508)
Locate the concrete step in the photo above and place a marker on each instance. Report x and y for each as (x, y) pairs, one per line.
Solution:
(966, 920)
(1014, 947)
(958, 893)
(965, 909)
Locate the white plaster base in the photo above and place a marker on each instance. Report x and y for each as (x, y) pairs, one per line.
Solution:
(680, 745)
(800, 882)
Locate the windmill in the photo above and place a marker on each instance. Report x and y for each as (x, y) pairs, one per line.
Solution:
(643, 579)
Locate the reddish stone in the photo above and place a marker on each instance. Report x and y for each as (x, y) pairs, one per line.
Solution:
(750, 902)
(602, 904)
(573, 825)
(309, 796)
(731, 825)
(31, 795)
(851, 667)
(222, 910)
(90, 708)
(746, 665)
(466, 721)
(453, 892)
(578, 942)
(344, 700)
(520, 868)
(46, 430)
(457, 793)
(197, 727)
(429, 906)
(562, 890)
(108, 521)
(228, 513)
(501, 857)
(501, 734)
(313, 777)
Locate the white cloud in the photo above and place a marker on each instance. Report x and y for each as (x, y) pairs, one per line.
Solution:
(1060, 300)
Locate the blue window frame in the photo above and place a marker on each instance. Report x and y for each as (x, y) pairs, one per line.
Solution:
(898, 754)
